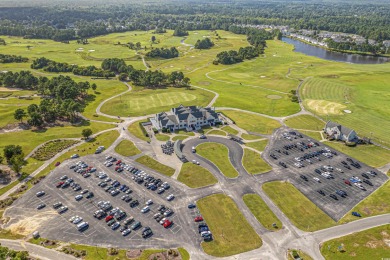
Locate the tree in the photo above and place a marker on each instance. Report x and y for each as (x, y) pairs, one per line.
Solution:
(153, 38)
(11, 150)
(94, 86)
(138, 45)
(123, 77)
(87, 132)
(17, 162)
(20, 114)
(35, 120)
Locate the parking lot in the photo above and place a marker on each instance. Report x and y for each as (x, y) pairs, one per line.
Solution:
(314, 167)
(57, 225)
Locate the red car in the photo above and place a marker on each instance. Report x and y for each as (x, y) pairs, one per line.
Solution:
(167, 223)
(198, 219)
(59, 184)
(57, 163)
(118, 162)
(108, 218)
(347, 182)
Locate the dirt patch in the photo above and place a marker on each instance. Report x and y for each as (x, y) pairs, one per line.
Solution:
(9, 89)
(30, 224)
(355, 244)
(134, 253)
(325, 107)
(384, 234)
(387, 242)
(373, 244)
(170, 254)
(352, 254)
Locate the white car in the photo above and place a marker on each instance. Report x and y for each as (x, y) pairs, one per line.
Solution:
(73, 218)
(74, 156)
(149, 202)
(77, 220)
(108, 157)
(78, 197)
(145, 209)
(339, 170)
(109, 164)
(317, 179)
(40, 193)
(126, 232)
(170, 197)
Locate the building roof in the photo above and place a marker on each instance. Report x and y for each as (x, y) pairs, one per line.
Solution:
(343, 130)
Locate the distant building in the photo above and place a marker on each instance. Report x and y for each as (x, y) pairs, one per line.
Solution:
(189, 118)
(340, 133)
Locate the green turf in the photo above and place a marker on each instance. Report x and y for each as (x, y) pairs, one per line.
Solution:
(29, 139)
(258, 145)
(195, 176)
(8, 107)
(313, 134)
(219, 155)
(262, 212)
(155, 165)
(253, 123)
(162, 137)
(253, 163)
(375, 204)
(179, 137)
(368, 244)
(135, 129)
(372, 155)
(250, 137)
(307, 122)
(127, 148)
(299, 209)
(216, 132)
(149, 101)
(232, 234)
(230, 130)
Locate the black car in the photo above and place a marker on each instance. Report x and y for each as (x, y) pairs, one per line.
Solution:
(341, 193)
(321, 192)
(273, 156)
(367, 181)
(303, 177)
(147, 232)
(283, 164)
(134, 203)
(372, 173)
(317, 171)
(333, 196)
(365, 175)
(89, 195)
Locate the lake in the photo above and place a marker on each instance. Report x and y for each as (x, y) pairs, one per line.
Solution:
(331, 55)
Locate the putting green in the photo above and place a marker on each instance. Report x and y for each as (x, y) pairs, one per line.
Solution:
(240, 75)
(324, 107)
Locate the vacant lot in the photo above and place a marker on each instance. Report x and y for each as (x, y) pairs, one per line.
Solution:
(219, 155)
(127, 148)
(253, 163)
(155, 165)
(195, 176)
(252, 122)
(299, 209)
(230, 237)
(262, 212)
(151, 101)
(368, 244)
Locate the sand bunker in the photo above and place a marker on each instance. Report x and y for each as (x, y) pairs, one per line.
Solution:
(8, 89)
(30, 224)
(324, 107)
(91, 50)
(262, 76)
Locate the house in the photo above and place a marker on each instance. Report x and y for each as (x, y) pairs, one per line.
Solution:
(189, 118)
(339, 132)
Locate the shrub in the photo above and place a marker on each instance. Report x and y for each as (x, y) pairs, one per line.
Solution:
(143, 129)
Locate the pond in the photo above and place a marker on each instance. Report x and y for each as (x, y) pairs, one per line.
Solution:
(332, 55)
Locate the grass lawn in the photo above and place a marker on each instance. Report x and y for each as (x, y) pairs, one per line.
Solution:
(252, 122)
(368, 244)
(250, 137)
(232, 233)
(253, 163)
(307, 122)
(155, 165)
(8, 107)
(29, 139)
(258, 145)
(195, 176)
(216, 132)
(148, 101)
(376, 204)
(127, 148)
(179, 137)
(299, 209)
(314, 135)
(162, 137)
(302, 255)
(183, 132)
(230, 130)
(135, 129)
(219, 155)
(32, 165)
(262, 212)
(372, 155)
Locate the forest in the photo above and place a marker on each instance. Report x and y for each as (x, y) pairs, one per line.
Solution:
(164, 53)
(60, 22)
(5, 58)
(205, 43)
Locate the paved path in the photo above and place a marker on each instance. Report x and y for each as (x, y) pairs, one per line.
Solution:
(214, 98)
(39, 252)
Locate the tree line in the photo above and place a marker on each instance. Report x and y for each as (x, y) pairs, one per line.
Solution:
(6, 58)
(53, 66)
(164, 53)
(353, 46)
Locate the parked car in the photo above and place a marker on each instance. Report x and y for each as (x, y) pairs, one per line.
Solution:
(356, 214)
(40, 193)
(41, 206)
(198, 218)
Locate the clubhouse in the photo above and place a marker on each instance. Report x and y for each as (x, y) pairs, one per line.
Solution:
(189, 118)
